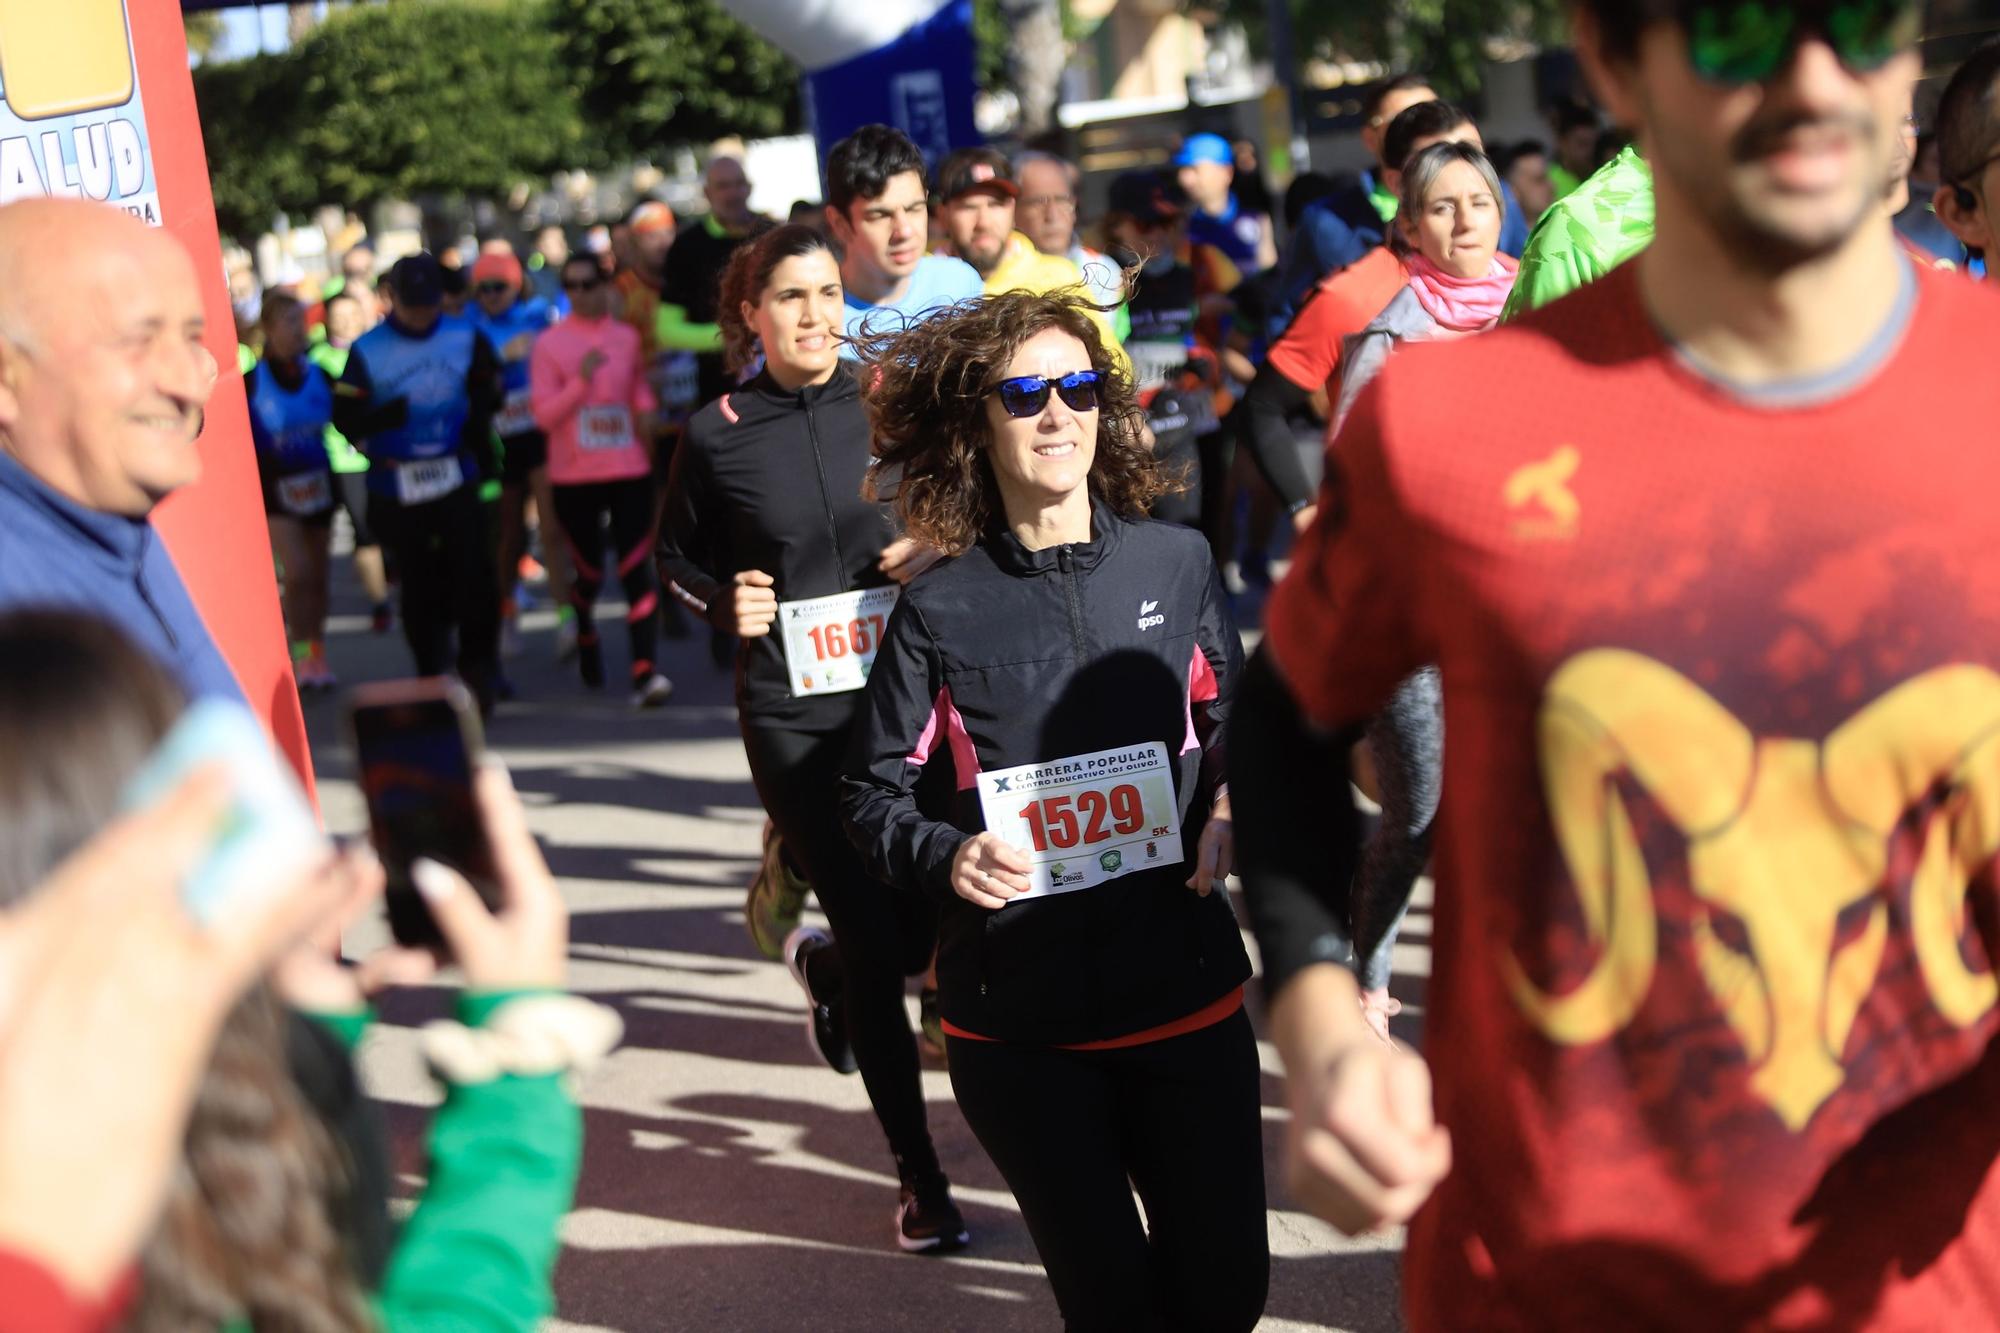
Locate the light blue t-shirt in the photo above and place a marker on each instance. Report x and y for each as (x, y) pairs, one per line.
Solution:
(938, 282)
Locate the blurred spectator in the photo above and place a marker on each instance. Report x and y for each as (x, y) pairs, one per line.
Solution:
(103, 379)
(348, 316)
(1307, 188)
(980, 193)
(1048, 216)
(357, 271)
(1218, 216)
(1577, 129)
(692, 274)
(1968, 133)
(545, 267)
(457, 287)
(1353, 220)
(1918, 221)
(1525, 169)
(1253, 192)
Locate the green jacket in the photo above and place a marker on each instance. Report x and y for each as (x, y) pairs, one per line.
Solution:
(478, 1255)
(1586, 234)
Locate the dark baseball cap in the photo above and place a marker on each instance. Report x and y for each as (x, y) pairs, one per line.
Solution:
(1147, 196)
(417, 280)
(971, 169)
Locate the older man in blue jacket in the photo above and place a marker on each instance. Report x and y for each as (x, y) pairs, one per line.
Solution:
(103, 379)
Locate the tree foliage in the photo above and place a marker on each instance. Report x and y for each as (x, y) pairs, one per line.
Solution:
(654, 73)
(474, 97)
(1445, 38)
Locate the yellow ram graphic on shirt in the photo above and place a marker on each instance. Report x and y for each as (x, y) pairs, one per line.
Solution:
(1783, 835)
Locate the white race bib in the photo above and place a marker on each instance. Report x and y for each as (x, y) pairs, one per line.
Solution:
(1152, 362)
(516, 416)
(306, 494)
(831, 642)
(426, 479)
(605, 427)
(1088, 819)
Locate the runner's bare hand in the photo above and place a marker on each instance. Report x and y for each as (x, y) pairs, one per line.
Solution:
(1215, 855)
(906, 557)
(751, 606)
(988, 872)
(1365, 1149)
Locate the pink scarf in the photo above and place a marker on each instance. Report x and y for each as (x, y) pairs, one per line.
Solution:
(1462, 305)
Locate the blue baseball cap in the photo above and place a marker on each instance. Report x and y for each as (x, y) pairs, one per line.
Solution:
(1205, 148)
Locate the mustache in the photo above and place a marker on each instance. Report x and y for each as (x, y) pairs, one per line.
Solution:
(1766, 134)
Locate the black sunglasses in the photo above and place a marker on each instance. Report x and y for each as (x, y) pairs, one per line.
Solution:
(587, 285)
(1027, 395)
(1740, 42)
(494, 289)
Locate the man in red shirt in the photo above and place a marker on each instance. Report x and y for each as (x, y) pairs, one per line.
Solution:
(1712, 988)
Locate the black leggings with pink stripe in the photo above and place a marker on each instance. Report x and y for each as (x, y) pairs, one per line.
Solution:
(627, 507)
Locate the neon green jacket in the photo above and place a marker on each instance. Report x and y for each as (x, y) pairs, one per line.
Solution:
(1586, 234)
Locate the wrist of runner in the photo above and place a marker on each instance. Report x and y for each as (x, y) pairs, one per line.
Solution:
(1316, 1017)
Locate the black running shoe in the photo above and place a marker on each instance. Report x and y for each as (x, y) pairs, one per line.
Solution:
(927, 1221)
(826, 1014)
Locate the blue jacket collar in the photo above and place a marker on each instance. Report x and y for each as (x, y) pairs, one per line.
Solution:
(118, 541)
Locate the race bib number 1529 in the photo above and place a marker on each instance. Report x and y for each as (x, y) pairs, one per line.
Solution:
(1089, 818)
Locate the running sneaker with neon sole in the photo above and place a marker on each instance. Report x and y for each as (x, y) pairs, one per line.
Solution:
(776, 899)
(927, 1221)
(652, 691)
(826, 1014)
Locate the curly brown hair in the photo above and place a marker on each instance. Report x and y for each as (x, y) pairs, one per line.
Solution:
(748, 273)
(248, 1229)
(926, 396)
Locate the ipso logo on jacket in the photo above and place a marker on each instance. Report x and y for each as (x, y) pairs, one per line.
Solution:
(1149, 615)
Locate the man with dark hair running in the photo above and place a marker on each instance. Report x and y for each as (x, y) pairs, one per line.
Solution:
(1712, 1007)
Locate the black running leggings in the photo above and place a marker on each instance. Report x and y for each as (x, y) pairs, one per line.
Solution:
(882, 937)
(441, 548)
(584, 511)
(1074, 1132)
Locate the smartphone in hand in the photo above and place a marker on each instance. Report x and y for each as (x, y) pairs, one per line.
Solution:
(417, 746)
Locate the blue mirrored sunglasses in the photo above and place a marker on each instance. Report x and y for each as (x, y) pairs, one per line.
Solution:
(1027, 395)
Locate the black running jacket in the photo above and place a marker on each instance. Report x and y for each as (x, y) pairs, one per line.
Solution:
(770, 479)
(1004, 657)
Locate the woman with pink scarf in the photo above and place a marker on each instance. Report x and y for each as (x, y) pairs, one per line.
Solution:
(1449, 232)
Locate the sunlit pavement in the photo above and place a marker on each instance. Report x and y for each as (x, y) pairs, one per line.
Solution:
(731, 1181)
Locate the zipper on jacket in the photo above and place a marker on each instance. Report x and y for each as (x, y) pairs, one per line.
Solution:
(825, 495)
(1068, 568)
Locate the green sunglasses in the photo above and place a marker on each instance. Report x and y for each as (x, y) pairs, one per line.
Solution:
(1748, 41)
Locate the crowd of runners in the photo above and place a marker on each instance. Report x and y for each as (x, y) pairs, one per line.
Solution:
(1632, 496)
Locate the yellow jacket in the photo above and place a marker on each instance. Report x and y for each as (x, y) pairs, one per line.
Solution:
(1023, 268)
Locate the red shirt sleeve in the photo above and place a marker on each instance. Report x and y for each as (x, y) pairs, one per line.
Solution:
(34, 1300)
(1308, 352)
(1341, 626)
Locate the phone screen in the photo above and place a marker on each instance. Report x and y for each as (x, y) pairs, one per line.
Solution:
(416, 761)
